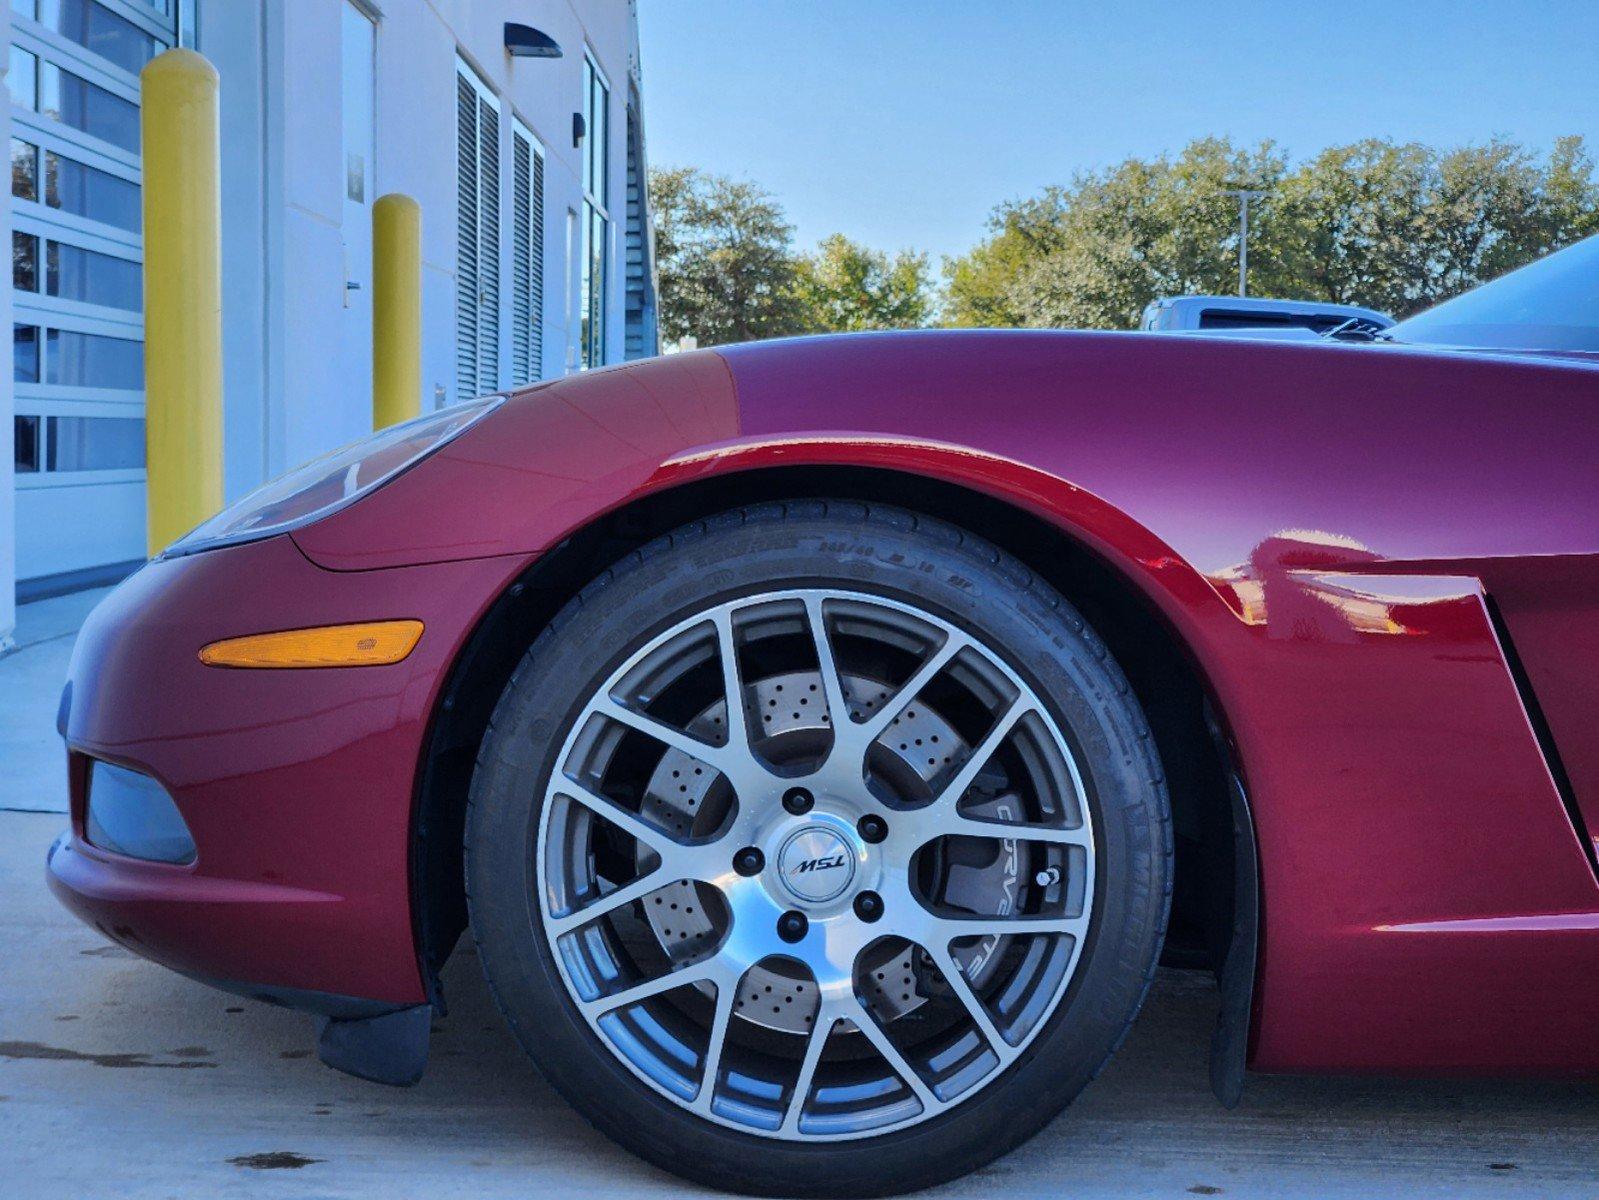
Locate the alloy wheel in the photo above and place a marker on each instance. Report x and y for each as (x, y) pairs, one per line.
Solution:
(816, 864)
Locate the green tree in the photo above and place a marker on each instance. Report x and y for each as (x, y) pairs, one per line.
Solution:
(980, 283)
(1403, 226)
(1570, 195)
(1094, 252)
(1485, 216)
(725, 261)
(1396, 226)
(845, 286)
(1350, 226)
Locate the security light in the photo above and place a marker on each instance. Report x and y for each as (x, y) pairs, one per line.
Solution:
(523, 41)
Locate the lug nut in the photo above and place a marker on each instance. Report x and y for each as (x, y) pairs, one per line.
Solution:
(798, 801)
(791, 926)
(868, 906)
(749, 861)
(872, 827)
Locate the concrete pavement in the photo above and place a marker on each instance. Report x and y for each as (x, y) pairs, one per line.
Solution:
(119, 1078)
(32, 766)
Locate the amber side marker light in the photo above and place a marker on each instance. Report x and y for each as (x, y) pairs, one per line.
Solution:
(369, 644)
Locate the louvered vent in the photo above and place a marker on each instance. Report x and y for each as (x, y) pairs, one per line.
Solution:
(466, 249)
(527, 258)
(488, 333)
(477, 278)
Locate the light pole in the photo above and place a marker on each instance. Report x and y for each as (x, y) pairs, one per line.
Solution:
(1244, 196)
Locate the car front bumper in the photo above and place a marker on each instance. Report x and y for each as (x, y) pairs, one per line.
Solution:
(298, 785)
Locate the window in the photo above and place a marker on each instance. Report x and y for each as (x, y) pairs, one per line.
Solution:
(357, 102)
(24, 262)
(96, 28)
(78, 294)
(595, 229)
(477, 258)
(86, 191)
(1550, 304)
(70, 443)
(73, 273)
(24, 170)
(25, 353)
(95, 444)
(22, 78)
(596, 110)
(596, 214)
(74, 359)
(25, 438)
(75, 101)
(527, 256)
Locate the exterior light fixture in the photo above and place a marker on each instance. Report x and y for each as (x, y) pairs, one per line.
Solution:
(368, 644)
(523, 41)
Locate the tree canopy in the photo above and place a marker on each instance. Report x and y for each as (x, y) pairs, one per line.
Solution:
(1397, 226)
(729, 271)
(845, 286)
(723, 250)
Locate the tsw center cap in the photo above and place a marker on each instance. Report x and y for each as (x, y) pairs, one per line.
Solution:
(816, 864)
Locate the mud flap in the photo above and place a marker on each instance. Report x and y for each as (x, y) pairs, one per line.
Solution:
(391, 1048)
(1229, 1044)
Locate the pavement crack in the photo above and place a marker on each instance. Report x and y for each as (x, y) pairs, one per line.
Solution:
(40, 1052)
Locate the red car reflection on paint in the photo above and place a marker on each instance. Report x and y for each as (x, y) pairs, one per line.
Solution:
(814, 735)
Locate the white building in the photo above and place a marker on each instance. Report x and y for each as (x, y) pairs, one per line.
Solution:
(536, 250)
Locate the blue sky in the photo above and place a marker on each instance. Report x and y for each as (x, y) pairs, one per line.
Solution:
(903, 124)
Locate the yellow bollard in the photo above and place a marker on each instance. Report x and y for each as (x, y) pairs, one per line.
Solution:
(182, 294)
(396, 310)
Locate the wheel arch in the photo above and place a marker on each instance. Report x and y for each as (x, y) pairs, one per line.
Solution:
(1091, 560)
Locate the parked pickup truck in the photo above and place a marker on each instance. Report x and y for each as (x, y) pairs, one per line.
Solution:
(1259, 317)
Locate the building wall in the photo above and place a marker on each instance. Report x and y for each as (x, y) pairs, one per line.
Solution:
(296, 248)
(309, 382)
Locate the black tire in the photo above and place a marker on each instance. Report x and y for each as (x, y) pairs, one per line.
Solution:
(889, 552)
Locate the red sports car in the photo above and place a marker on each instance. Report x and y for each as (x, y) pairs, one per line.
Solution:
(823, 740)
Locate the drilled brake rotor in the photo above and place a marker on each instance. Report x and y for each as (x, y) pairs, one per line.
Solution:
(793, 722)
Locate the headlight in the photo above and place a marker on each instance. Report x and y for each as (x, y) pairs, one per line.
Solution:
(327, 484)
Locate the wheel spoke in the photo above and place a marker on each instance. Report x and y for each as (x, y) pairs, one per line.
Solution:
(665, 982)
(674, 855)
(814, 1045)
(970, 1001)
(897, 1062)
(979, 926)
(712, 756)
(610, 902)
(738, 737)
(964, 826)
(832, 680)
(716, 1042)
(869, 730)
(984, 750)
